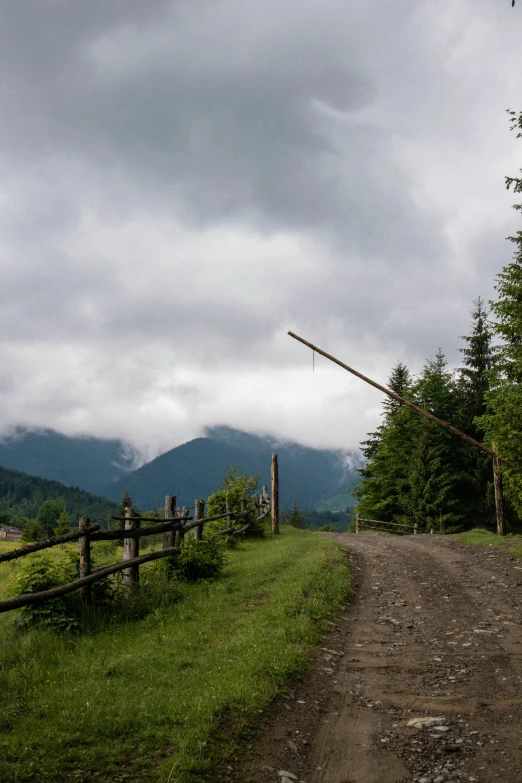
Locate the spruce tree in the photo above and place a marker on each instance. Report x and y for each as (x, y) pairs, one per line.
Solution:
(296, 518)
(478, 361)
(384, 488)
(478, 493)
(436, 459)
(502, 422)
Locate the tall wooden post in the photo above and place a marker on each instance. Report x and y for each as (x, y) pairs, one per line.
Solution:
(256, 505)
(131, 549)
(84, 545)
(199, 513)
(275, 495)
(499, 502)
(357, 523)
(170, 512)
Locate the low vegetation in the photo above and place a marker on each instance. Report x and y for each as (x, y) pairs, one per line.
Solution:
(511, 545)
(147, 699)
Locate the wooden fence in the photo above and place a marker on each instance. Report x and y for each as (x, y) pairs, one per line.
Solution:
(176, 525)
(369, 524)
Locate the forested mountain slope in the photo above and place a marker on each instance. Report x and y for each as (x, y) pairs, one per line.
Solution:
(90, 463)
(22, 495)
(194, 469)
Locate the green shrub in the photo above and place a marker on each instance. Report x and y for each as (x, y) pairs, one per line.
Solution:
(203, 559)
(41, 573)
(236, 487)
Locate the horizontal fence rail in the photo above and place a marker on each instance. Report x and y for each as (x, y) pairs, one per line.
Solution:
(368, 524)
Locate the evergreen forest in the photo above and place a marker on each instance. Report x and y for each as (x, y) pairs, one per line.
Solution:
(417, 472)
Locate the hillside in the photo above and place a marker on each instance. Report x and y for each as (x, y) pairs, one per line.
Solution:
(194, 469)
(90, 463)
(21, 495)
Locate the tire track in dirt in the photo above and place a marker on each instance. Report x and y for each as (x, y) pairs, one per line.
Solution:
(433, 632)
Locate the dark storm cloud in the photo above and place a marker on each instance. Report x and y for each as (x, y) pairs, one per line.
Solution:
(181, 182)
(211, 109)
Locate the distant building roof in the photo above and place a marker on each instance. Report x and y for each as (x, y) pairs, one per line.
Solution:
(10, 529)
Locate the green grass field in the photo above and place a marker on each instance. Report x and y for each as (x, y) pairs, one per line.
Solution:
(168, 697)
(512, 545)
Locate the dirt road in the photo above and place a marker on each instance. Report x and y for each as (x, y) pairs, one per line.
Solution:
(434, 631)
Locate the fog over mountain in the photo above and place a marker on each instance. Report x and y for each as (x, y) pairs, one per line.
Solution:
(313, 477)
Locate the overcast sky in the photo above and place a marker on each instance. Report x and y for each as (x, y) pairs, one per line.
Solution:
(182, 182)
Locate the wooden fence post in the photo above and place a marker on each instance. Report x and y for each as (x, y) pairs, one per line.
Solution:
(357, 523)
(265, 499)
(275, 495)
(227, 509)
(499, 503)
(199, 513)
(179, 539)
(131, 549)
(84, 545)
(415, 528)
(170, 513)
(257, 506)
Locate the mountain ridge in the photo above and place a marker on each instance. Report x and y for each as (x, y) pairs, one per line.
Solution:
(316, 478)
(195, 468)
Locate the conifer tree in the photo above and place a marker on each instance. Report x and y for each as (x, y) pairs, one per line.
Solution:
(436, 469)
(502, 422)
(478, 494)
(478, 361)
(383, 491)
(296, 518)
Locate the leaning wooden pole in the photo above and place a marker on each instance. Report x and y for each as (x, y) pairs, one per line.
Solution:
(402, 400)
(492, 452)
(275, 495)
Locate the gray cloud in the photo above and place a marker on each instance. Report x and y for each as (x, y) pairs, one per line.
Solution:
(183, 182)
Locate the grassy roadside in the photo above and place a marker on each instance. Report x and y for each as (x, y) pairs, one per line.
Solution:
(511, 545)
(143, 701)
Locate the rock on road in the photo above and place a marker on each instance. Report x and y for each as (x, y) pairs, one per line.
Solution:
(433, 632)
